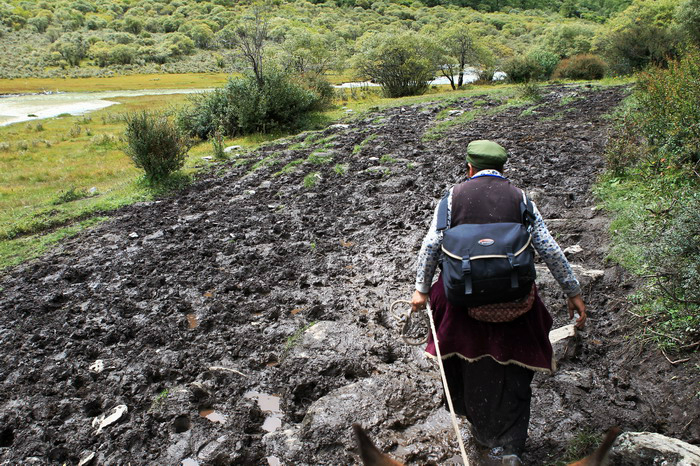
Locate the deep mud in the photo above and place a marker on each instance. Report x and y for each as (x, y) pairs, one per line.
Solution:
(200, 312)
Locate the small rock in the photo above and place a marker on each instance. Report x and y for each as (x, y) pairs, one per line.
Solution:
(231, 149)
(265, 184)
(192, 218)
(87, 459)
(92, 191)
(133, 235)
(207, 157)
(156, 235)
(209, 451)
(103, 421)
(575, 249)
(652, 448)
(348, 110)
(97, 367)
(565, 342)
(582, 379)
(340, 126)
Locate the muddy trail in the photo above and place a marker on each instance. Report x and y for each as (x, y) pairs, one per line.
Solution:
(245, 319)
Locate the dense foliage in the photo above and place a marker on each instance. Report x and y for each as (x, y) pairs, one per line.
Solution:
(654, 187)
(246, 105)
(90, 37)
(155, 145)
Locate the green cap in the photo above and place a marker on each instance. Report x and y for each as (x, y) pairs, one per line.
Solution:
(486, 154)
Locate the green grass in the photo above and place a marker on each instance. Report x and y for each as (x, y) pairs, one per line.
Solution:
(580, 446)
(311, 179)
(290, 167)
(633, 201)
(320, 157)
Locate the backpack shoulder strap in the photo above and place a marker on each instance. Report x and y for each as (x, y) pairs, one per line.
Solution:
(527, 211)
(442, 213)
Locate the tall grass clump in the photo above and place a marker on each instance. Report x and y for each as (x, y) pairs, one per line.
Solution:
(155, 144)
(653, 187)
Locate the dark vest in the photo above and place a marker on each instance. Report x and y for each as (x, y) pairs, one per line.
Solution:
(485, 199)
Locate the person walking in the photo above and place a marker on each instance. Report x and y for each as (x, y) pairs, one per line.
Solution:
(490, 365)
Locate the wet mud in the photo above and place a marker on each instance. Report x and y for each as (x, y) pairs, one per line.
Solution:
(245, 320)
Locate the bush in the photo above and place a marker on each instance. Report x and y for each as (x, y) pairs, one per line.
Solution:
(522, 69)
(155, 145)
(668, 110)
(584, 66)
(245, 106)
(403, 63)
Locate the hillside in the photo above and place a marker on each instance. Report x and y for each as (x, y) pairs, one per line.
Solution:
(270, 279)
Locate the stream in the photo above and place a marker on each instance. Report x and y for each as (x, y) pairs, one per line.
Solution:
(18, 108)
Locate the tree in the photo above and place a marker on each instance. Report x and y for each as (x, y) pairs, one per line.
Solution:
(640, 35)
(458, 50)
(249, 39)
(403, 63)
(72, 48)
(310, 53)
(688, 16)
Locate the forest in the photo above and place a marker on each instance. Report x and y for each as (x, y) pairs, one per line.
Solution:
(101, 38)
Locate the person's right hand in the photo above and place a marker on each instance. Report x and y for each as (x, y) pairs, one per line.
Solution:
(575, 303)
(418, 301)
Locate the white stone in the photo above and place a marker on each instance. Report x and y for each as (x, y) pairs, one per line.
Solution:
(231, 149)
(652, 448)
(564, 342)
(575, 249)
(561, 333)
(97, 367)
(103, 421)
(207, 157)
(340, 126)
(133, 235)
(86, 459)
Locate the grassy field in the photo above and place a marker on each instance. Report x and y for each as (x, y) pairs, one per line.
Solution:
(118, 83)
(114, 83)
(60, 175)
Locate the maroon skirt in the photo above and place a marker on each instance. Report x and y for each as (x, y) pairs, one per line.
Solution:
(523, 341)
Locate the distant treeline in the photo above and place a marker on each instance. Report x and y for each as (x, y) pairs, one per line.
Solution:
(98, 37)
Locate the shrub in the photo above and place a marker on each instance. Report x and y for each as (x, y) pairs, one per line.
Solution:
(668, 111)
(245, 106)
(584, 66)
(155, 145)
(522, 69)
(545, 62)
(530, 91)
(205, 113)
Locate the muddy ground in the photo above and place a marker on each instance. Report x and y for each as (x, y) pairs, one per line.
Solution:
(244, 320)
